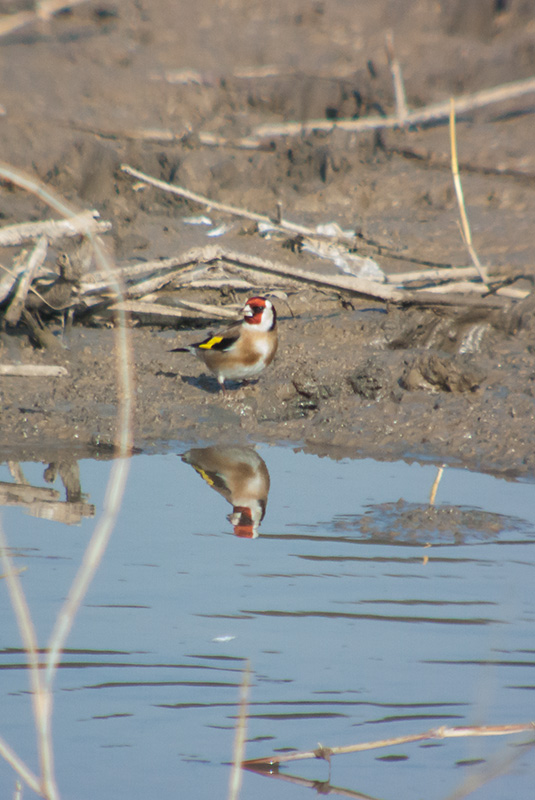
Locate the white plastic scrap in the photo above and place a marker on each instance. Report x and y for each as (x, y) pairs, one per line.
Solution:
(350, 263)
(225, 227)
(334, 230)
(198, 220)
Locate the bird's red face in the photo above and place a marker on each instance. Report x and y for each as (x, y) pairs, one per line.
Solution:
(254, 310)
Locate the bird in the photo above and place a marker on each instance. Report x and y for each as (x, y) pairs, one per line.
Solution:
(240, 475)
(243, 350)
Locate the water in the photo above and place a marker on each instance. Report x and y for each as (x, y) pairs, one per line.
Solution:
(363, 613)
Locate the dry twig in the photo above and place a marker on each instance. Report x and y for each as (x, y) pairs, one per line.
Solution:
(435, 111)
(80, 224)
(435, 733)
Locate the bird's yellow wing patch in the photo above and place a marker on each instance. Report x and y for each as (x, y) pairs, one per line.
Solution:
(204, 475)
(211, 342)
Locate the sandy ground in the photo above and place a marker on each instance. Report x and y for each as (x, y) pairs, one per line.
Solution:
(352, 377)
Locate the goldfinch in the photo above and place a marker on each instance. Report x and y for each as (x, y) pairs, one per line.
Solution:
(242, 351)
(241, 476)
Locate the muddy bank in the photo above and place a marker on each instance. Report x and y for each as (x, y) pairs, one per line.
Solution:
(352, 377)
(344, 383)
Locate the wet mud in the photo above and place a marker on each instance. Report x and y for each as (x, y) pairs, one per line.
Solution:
(352, 376)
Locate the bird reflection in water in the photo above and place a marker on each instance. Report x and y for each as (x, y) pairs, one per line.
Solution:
(241, 476)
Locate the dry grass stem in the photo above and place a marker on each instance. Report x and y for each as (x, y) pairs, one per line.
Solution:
(239, 739)
(435, 111)
(498, 766)
(41, 696)
(467, 236)
(41, 687)
(20, 767)
(435, 733)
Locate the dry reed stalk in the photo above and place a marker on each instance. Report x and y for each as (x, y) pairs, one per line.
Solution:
(435, 733)
(20, 767)
(467, 236)
(435, 111)
(235, 780)
(80, 224)
(41, 696)
(41, 686)
(498, 766)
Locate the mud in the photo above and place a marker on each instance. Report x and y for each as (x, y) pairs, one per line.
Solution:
(352, 377)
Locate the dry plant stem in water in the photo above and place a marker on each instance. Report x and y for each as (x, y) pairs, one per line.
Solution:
(435, 733)
(42, 684)
(239, 738)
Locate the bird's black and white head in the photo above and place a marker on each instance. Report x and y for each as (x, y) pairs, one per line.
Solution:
(260, 312)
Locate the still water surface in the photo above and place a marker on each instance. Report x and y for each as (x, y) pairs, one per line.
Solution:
(364, 613)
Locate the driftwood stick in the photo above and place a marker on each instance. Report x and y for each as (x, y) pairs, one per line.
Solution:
(435, 111)
(37, 257)
(79, 224)
(32, 371)
(434, 733)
